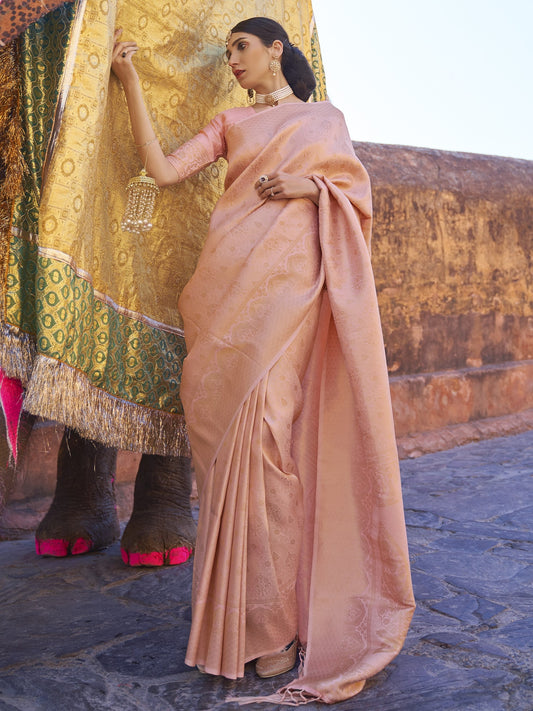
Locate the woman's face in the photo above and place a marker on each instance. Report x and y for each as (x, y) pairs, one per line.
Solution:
(249, 60)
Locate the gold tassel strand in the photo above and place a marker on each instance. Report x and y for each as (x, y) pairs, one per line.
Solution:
(142, 191)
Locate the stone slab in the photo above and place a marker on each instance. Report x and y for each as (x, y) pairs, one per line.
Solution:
(87, 633)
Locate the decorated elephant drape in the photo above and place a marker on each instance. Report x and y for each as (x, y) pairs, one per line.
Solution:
(90, 323)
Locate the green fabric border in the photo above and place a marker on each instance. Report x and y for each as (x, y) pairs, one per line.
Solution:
(126, 357)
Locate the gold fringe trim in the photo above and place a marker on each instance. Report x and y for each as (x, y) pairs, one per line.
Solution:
(17, 353)
(58, 392)
(11, 162)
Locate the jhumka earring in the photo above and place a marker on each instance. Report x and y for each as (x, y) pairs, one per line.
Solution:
(251, 97)
(141, 191)
(274, 66)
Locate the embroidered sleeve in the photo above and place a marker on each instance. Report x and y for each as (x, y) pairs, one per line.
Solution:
(206, 147)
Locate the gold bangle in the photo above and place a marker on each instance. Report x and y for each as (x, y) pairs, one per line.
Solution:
(148, 143)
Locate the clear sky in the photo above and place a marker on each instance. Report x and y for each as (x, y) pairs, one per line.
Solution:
(450, 74)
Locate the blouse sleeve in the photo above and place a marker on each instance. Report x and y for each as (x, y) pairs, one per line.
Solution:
(206, 147)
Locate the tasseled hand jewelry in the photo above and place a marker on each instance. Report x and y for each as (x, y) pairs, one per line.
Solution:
(142, 191)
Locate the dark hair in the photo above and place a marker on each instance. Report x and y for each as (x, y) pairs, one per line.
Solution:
(294, 65)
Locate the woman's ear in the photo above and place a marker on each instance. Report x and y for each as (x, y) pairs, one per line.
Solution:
(277, 46)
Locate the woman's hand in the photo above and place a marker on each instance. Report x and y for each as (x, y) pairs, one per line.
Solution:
(282, 186)
(121, 63)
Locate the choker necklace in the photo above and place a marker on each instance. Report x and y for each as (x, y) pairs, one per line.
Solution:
(273, 98)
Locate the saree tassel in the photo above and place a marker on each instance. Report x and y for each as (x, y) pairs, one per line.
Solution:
(284, 697)
(142, 191)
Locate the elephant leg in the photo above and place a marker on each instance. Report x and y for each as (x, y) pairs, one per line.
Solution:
(83, 515)
(161, 530)
(8, 465)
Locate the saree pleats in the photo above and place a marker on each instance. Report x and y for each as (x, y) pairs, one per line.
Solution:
(245, 590)
(286, 394)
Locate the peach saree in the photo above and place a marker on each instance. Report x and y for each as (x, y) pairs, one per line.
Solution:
(286, 398)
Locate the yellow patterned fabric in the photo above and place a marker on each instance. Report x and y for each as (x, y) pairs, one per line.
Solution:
(101, 304)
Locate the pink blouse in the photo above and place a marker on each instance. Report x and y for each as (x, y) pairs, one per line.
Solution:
(208, 145)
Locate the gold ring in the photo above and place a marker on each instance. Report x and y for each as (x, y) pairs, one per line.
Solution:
(123, 54)
(263, 178)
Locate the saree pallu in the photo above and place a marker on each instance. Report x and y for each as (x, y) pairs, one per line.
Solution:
(287, 402)
(89, 314)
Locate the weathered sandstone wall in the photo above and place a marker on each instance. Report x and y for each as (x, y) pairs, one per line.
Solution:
(452, 255)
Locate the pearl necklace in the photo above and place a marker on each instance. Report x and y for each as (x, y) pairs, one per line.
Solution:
(273, 98)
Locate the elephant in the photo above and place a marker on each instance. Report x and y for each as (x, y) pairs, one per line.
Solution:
(89, 328)
(83, 514)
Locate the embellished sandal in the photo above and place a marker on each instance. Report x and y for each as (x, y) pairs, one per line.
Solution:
(278, 663)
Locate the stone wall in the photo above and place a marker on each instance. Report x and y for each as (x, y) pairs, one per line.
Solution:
(452, 255)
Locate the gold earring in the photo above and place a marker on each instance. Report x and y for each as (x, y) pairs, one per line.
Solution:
(274, 66)
(251, 96)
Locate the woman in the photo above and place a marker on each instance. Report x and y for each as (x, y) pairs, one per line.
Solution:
(301, 531)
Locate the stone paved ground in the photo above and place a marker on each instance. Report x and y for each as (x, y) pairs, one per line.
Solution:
(88, 633)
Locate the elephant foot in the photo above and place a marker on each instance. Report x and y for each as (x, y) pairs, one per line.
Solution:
(161, 530)
(82, 516)
(174, 556)
(61, 547)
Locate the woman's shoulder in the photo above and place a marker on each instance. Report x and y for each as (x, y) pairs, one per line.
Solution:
(228, 118)
(327, 108)
(234, 114)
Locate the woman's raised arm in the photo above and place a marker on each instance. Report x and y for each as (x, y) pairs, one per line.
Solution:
(146, 142)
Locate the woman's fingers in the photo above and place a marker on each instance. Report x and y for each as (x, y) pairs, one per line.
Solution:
(270, 186)
(263, 180)
(265, 186)
(279, 186)
(124, 49)
(122, 53)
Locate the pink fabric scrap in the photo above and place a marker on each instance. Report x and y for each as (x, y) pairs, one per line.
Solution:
(11, 397)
